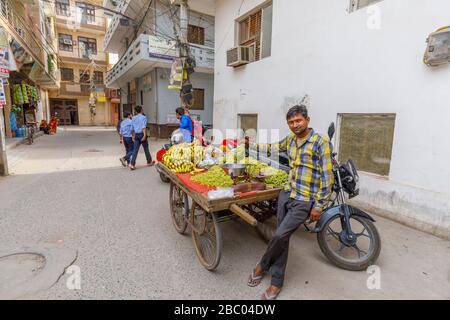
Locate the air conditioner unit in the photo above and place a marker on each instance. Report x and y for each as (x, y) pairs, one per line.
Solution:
(239, 56)
(438, 49)
(67, 41)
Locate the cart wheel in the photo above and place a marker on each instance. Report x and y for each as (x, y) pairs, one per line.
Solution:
(207, 237)
(179, 208)
(164, 178)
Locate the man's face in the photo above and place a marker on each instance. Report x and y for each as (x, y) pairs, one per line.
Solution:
(298, 124)
(130, 116)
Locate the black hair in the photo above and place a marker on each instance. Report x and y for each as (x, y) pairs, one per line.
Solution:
(297, 109)
(127, 114)
(180, 111)
(138, 109)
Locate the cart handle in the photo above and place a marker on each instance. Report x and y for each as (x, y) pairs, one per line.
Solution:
(244, 215)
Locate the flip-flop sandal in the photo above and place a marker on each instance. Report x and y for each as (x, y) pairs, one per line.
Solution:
(267, 296)
(254, 280)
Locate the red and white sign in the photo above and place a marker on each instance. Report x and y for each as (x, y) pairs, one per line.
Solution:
(2, 94)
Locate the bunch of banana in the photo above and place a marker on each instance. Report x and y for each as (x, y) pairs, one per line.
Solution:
(182, 168)
(183, 157)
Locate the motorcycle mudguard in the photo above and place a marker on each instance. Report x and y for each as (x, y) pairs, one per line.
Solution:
(338, 210)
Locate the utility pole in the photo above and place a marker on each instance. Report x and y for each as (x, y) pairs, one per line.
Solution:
(3, 159)
(184, 21)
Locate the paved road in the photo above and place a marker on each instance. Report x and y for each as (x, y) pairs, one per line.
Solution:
(70, 190)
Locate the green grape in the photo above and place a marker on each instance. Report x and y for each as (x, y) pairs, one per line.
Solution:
(277, 178)
(215, 177)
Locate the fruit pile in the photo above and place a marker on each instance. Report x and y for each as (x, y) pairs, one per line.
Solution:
(25, 93)
(17, 92)
(33, 93)
(276, 178)
(183, 157)
(235, 156)
(215, 177)
(273, 177)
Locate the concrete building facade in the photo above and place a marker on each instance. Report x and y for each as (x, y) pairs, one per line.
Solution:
(81, 29)
(360, 65)
(146, 47)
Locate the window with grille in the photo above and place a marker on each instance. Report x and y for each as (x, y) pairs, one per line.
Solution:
(196, 35)
(98, 77)
(87, 12)
(5, 8)
(65, 42)
(85, 82)
(367, 139)
(87, 46)
(67, 74)
(255, 31)
(63, 8)
(359, 4)
(199, 99)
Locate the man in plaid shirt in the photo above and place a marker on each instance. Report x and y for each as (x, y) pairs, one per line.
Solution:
(308, 188)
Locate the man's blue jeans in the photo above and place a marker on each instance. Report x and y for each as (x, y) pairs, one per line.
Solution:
(137, 144)
(129, 146)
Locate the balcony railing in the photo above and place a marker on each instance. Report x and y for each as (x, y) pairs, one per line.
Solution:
(71, 89)
(82, 55)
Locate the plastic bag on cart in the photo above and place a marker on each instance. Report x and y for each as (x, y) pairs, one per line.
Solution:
(221, 193)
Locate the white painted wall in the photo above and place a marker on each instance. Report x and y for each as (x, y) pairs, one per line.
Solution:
(320, 49)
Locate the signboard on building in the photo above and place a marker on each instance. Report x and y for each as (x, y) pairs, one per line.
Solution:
(2, 94)
(204, 57)
(4, 54)
(162, 48)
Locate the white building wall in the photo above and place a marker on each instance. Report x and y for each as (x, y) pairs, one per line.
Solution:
(320, 49)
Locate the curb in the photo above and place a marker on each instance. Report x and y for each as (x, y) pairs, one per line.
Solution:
(18, 143)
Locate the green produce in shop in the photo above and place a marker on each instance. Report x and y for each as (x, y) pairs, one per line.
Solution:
(215, 177)
(33, 93)
(25, 93)
(17, 92)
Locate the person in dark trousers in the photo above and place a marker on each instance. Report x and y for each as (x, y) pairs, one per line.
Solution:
(126, 138)
(305, 194)
(185, 124)
(139, 123)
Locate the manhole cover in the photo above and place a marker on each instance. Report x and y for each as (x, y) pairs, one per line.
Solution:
(19, 268)
(93, 150)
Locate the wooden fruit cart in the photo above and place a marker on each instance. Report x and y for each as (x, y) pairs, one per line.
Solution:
(204, 215)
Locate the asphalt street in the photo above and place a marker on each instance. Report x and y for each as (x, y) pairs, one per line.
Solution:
(70, 190)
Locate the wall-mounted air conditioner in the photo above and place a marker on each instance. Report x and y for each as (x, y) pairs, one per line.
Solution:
(239, 56)
(67, 41)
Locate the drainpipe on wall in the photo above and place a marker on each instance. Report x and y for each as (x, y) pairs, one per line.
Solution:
(157, 104)
(3, 158)
(129, 95)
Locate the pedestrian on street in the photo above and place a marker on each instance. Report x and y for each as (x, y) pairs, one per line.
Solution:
(140, 137)
(305, 194)
(126, 138)
(185, 124)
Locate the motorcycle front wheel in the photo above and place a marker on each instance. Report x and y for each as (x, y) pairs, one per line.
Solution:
(357, 257)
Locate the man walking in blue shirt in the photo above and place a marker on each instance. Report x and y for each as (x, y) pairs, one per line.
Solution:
(139, 123)
(126, 138)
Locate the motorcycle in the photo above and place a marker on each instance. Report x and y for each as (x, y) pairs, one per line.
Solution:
(347, 236)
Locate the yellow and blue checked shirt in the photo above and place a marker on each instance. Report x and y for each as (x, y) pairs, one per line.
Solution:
(311, 175)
